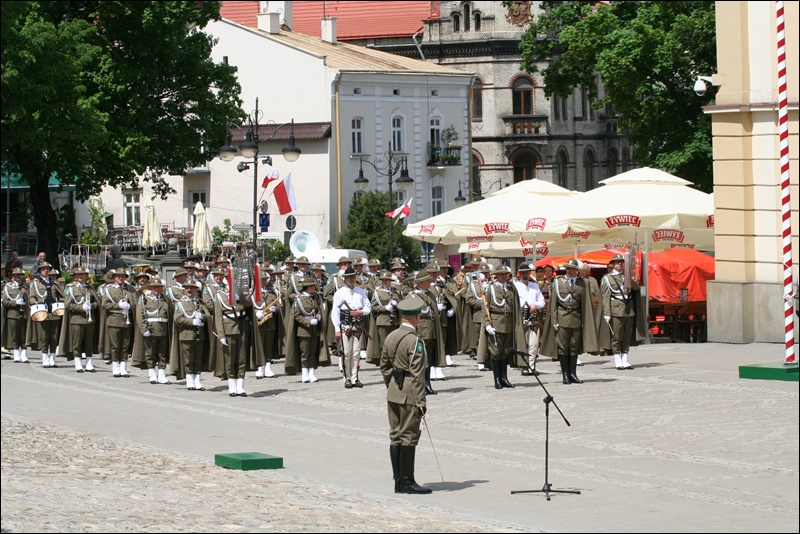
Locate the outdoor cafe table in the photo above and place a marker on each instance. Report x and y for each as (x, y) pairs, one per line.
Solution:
(683, 322)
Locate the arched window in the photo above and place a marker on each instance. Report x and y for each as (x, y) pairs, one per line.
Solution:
(524, 166)
(466, 17)
(477, 101)
(625, 160)
(613, 162)
(477, 22)
(523, 96)
(397, 134)
(588, 168)
(456, 23)
(562, 160)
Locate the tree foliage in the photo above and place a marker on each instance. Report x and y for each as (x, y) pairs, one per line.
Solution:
(368, 230)
(648, 55)
(109, 93)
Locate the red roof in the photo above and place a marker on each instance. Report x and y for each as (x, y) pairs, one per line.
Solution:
(354, 20)
(302, 130)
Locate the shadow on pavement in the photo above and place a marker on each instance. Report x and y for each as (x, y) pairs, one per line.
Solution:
(268, 393)
(454, 486)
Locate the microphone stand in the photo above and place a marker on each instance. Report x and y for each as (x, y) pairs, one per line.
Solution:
(547, 489)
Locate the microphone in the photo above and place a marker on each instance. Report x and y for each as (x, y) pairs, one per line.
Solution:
(511, 351)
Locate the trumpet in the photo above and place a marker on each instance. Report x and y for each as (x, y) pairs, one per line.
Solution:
(268, 315)
(88, 298)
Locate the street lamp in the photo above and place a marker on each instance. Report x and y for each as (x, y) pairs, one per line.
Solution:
(391, 168)
(249, 149)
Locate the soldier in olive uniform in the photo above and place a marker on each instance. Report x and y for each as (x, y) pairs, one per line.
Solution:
(619, 307)
(502, 325)
(429, 326)
(436, 289)
(304, 341)
(267, 317)
(78, 329)
(15, 309)
(572, 320)
(384, 316)
(403, 365)
(117, 303)
(153, 317)
(229, 325)
(174, 293)
(475, 305)
(188, 355)
(45, 332)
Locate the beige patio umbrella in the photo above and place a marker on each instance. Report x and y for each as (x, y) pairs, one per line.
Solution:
(532, 208)
(202, 233)
(151, 230)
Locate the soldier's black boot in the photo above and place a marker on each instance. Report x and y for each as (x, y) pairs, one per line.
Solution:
(496, 373)
(407, 482)
(394, 454)
(428, 389)
(504, 374)
(564, 361)
(573, 366)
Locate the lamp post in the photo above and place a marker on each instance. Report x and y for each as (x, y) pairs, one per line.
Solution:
(474, 194)
(391, 168)
(249, 148)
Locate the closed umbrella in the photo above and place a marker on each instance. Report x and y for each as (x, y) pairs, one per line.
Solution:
(151, 230)
(99, 227)
(202, 233)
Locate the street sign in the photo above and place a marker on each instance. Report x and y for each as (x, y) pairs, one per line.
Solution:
(271, 235)
(263, 221)
(241, 227)
(291, 222)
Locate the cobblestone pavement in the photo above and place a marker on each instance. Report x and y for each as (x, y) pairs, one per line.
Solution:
(678, 444)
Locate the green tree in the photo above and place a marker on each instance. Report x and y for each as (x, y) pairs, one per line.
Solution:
(368, 230)
(648, 55)
(107, 94)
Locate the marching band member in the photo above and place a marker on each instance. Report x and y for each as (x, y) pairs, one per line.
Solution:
(45, 332)
(229, 326)
(153, 317)
(350, 305)
(305, 342)
(429, 328)
(620, 307)
(384, 316)
(15, 309)
(502, 324)
(531, 301)
(116, 302)
(78, 336)
(267, 318)
(188, 356)
(473, 298)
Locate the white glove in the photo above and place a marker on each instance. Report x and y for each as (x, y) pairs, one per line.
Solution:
(20, 301)
(556, 327)
(86, 306)
(197, 322)
(124, 305)
(224, 341)
(318, 317)
(451, 312)
(147, 333)
(490, 330)
(389, 308)
(440, 306)
(259, 315)
(199, 315)
(393, 302)
(237, 297)
(314, 321)
(607, 318)
(273, 309)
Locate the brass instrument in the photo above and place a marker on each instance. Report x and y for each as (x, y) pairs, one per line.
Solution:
(631, 257)
(241, 276)
(268, 314)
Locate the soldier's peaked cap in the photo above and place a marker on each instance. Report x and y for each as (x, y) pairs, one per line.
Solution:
(422, 276)
(411, 306)
(572, 263)
(344, 259)
(191, 283)
(618, 257)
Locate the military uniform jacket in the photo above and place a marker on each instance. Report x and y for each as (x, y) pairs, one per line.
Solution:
(616, 301)
(174, 293)
(11, 292)
(153, 315)
(227, 319)
(42, 293)
(503, 305)
(563, 295)
(184, 317)
(305, 308)
(381, 298)
(298, 324)
(473, 298)
(112, 297)
(404, 350)
(75, 295)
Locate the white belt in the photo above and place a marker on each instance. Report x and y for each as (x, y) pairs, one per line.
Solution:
(119, 312)
(156, 320)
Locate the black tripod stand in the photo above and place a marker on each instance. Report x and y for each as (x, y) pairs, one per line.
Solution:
(547, 489)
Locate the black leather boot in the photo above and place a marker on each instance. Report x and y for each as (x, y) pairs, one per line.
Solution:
(394, 454)
(428, 389)
(496, 373)
(504, 374)
(564, 361)
(407, 482)
(573, 366)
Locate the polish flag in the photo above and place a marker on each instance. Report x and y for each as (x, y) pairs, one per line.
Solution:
(271, 177)
(401, 211)
(284, 195)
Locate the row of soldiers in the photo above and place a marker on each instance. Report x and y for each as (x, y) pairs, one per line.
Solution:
(199, 324)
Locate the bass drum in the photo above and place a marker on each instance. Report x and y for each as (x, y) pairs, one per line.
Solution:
(58, 309)
(39, 312)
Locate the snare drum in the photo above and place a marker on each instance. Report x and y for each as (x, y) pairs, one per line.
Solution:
(58, 309)
(39, 312)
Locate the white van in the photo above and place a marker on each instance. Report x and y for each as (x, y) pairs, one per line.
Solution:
(329, 257)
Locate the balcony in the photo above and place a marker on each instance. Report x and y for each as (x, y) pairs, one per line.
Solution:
(444, 156)
(526, 126)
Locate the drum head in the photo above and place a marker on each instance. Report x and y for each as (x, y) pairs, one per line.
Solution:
(58, 312)
(39, 316)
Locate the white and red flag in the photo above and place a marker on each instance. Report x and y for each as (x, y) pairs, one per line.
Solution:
(284, 195)
(271, 177)
(401, 211)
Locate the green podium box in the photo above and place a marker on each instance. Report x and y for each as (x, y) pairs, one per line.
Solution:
(248, 461)
(769, 371)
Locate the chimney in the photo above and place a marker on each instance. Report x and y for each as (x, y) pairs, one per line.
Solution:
(269, 22)
(284, 9)
(329, 30)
